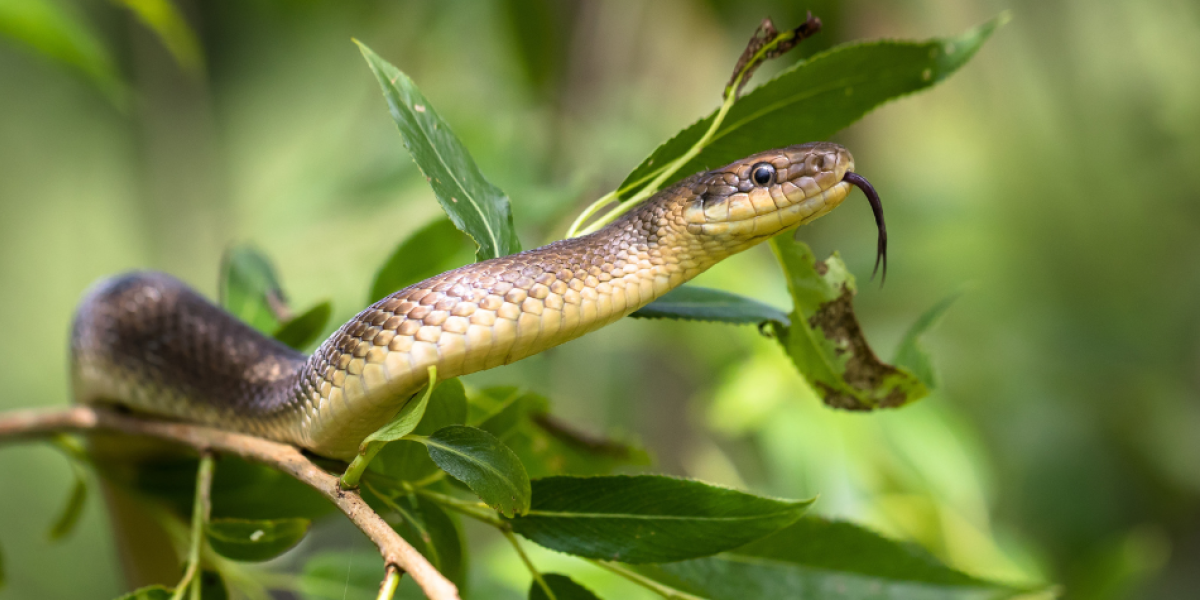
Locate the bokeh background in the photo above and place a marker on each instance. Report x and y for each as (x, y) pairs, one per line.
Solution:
(1053, 182)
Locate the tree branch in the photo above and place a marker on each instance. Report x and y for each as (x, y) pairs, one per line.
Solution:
(398, 555)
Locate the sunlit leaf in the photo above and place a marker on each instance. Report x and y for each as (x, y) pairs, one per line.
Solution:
(49, 29)
(693, 303)
(476, 206)
(817, 558)
(648, 518)
(154, 592)
(302, 330)
(255, 540)
(815, 98)
(73, 509)
(409, 461)
(430, 250)
(161, 17)
(250, 289)
(408, 418)
(911, 354)
(825, 341)
(476, 458)
(563, 587)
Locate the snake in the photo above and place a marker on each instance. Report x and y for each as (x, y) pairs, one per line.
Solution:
(146, 342)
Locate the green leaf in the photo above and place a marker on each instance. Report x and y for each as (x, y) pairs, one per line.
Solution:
(301, 331)
(815, 98)
(648, 518)
(410, 415)
(408, 460)
(693, 303)
(341, 576)
(153, 592)
(431, 250)
(817, 558)
(478, 208)
(161, 17)
(428, 528)
(564, 588)
(73, 509)
(825, 341)
(911, 354)
(476, 458)
(212, 586)
(255, 540)
(250, 290)
(241, 489)
(544, 444)
(49, 29)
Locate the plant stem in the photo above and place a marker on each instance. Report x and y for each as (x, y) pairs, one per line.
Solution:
(516, 544)
(471, 509)
(388, 589)
(200, 509)
(665, 591)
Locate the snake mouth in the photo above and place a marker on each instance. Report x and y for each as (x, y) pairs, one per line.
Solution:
(877, 209)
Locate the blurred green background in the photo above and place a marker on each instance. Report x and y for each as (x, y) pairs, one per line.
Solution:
(1054, 180)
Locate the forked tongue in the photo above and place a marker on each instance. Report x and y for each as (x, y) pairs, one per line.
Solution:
(877, 208)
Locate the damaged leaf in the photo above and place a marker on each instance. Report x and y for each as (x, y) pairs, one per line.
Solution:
(825, 340)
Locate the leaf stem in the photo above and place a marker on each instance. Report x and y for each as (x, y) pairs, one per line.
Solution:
(201, 506)
(471, 509)
(663, 590)
(516, 544)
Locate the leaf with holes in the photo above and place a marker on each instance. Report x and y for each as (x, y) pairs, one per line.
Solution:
(648, 518)
(815, 99)
(694, 303)
(476, 458)
(825, 341)
(476, 206)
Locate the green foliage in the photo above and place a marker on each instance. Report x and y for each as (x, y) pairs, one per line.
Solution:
(53, 31)
(431, 250)
(73, 509)
(911, 355)
(338, 576)
(255, 540)
(476, 458)
(428, 528)
(825, 341)
(819, 558)
(545, 445)
(303, 330)
(648, 518)
(250, 289)
(478, 208)
(563, 587)
(815, 99)
(410, 415)
(2, 582)
(153, 592)
(694, 303)
(161, 17)
(406, 460)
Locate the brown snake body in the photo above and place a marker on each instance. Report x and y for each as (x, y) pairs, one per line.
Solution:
(148, 342)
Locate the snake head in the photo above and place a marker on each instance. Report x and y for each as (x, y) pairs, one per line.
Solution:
(767, 193)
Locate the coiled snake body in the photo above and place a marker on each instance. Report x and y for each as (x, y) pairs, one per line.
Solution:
(148, 342)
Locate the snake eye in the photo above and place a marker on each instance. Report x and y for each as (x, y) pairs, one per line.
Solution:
(763, 173)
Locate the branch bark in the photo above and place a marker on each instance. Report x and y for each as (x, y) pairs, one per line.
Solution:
(398, 555)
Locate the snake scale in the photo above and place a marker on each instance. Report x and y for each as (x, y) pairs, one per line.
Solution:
(149, 343)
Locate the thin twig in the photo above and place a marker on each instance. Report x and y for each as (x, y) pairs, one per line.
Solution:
(202, 506)
(665, 591)
(537, 576)
(397, 553)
